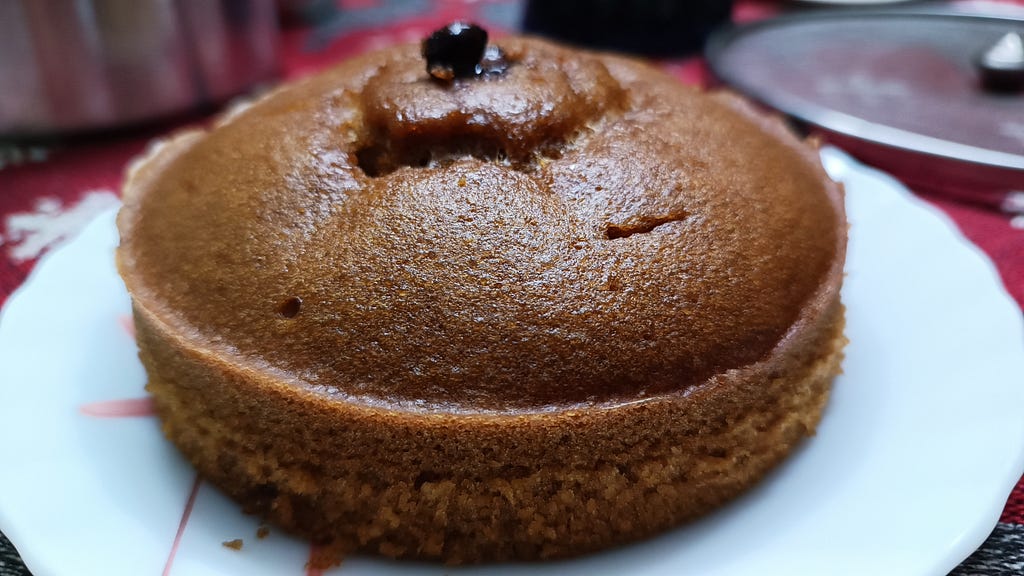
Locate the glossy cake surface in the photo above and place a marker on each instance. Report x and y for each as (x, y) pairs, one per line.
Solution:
(518, 316)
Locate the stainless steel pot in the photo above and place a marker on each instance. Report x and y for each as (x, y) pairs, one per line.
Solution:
(74, 65)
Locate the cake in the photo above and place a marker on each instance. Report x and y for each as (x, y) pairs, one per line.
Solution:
(554, 304)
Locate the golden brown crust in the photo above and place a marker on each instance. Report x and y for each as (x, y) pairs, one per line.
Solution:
(482, 488)
(480, 284)
(605, 304)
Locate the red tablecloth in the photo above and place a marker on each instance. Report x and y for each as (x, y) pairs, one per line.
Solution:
(48, 192)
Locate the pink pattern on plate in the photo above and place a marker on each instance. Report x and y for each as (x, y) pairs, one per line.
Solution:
(181, 525)
(137, 407)
(311, 569)
(127, 323)
(125, 408)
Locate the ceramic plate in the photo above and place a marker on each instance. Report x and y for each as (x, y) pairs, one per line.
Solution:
(919, 448)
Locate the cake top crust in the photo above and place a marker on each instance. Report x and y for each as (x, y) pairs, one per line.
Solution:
(580, 229)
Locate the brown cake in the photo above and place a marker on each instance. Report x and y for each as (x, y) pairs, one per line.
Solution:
(559, 305)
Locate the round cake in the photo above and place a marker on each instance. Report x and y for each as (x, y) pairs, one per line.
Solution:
(555, 304)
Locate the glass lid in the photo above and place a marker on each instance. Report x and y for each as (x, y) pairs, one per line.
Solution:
(900, 79)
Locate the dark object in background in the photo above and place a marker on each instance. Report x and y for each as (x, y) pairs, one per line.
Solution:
(305, 12)
(650, 27)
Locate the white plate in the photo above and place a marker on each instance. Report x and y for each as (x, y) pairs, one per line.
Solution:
(920, 446)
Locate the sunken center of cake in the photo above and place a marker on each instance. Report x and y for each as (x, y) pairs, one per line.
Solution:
(529, 114)
(571, 233)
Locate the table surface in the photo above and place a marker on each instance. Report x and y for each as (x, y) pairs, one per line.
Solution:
(49, 191)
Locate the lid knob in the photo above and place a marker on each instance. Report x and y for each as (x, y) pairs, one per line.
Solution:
(1002, 65)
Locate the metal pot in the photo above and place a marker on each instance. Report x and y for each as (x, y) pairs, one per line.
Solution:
(70, 66)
